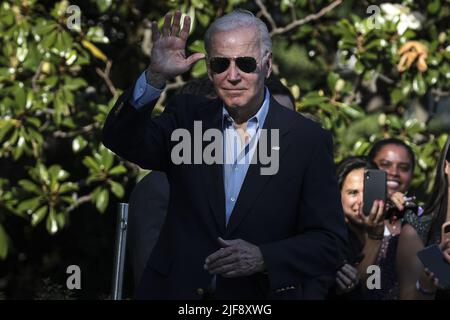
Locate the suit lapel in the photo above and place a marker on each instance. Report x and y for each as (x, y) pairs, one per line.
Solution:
(213, 174)
(254, 181)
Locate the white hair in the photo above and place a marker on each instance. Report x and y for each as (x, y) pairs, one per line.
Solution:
(236, 19)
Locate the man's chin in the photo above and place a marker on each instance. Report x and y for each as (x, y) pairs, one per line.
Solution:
(232, 103)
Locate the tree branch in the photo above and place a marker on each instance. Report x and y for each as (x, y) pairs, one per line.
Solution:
(266, 14)
(105, 75)
(79, 202)
(36, 76)
(85, 129)
(305, 20)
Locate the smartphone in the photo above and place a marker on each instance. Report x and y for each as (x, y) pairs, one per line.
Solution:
(375, 188)
(433, 259)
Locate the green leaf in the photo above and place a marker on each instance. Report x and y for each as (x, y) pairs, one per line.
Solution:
(52, 224)
(5, 127)
(328, 107)
(3, 243)
(359, 67)
(28, 206)
(97, 34)
(313, 99)
(204, 19)
(199, 69)
(419, 84)
(20, 96)
(406, 88)
(117, 170)
(434, 6)
(45, 28)
(34, 121)
(396, 96)
(107, 159)
(351, 111)
(74, 83)
(78, 144)
(197, 46)
(89, 162)
(54, 172)
(103, 5)
(67, 187)
(102, 200)
(332, 78)
(60, 219)
(117, 189)
(49, 40)
(59, 173)
(30, 186)
(37, 216)
(43, 173)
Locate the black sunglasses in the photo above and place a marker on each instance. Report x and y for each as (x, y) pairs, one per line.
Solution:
(221, 64)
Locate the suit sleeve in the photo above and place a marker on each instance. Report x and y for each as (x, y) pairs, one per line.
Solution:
(136, 136)
(320, 245)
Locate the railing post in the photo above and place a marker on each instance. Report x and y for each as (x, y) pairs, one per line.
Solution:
(120, 251)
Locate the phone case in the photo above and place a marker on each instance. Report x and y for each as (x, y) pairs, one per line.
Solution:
(374, 188)
(433, 259)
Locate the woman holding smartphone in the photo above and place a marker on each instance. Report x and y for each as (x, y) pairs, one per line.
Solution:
(397, 159)
(361, 227)
(417, 232)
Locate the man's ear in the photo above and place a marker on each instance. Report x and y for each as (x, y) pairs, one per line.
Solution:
(208, 71)
(447, 167)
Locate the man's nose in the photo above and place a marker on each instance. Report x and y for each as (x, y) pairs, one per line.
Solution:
(233, 72)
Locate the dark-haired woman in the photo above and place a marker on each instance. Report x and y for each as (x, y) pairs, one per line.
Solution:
(397, 159)
(361, 227)
(415, 282)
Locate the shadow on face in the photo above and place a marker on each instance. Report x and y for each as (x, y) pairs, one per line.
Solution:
(236, 88)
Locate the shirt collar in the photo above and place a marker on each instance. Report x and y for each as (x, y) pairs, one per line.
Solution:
(259, 117)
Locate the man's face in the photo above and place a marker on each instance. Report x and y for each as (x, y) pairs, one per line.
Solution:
(396, 162)
(236, 88)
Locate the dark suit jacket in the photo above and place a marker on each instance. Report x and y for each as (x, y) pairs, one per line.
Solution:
(294, 216)
(147, 210)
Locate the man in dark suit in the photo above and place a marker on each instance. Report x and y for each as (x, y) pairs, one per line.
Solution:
(233, 230)
(149, 199)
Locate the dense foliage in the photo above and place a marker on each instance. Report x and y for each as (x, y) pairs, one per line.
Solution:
(365, 69)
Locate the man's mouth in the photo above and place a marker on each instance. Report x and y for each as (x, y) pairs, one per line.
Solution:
(234, 90)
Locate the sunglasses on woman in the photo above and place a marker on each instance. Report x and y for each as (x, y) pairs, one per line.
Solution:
(221, 64)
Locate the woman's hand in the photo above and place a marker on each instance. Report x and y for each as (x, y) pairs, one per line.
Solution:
(399, 200)
(346, 279)
(374, 222)
(428, 281)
